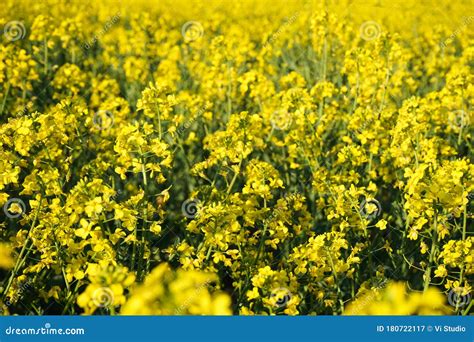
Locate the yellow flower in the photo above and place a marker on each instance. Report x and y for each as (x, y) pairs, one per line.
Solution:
(6, 260)
(395, 299)
(441, 271)
(381, 224)
(166, 292)
(155, 228)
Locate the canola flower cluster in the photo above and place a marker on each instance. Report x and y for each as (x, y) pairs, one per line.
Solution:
(252, 157)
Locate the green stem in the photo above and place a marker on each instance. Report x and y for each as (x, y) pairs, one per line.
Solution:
(19, 261)
(432, 253)
(45, 57)
(234, 178)
(5, 98)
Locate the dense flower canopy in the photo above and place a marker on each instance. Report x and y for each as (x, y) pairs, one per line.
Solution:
(248, 157)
